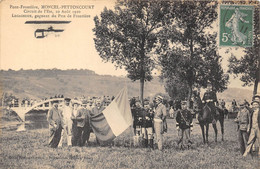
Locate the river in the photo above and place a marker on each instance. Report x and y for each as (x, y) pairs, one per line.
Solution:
(33, 120)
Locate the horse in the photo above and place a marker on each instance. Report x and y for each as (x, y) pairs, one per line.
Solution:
(205, 117)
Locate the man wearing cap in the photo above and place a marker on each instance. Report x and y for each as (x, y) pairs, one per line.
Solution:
(254, 127)
(147, 126)
(54, 117)
(184, 123)
(210, 98)
(80, 119)
(243, 124)
(86, 128)
(67, 113)
(137, 113)
(159, 116)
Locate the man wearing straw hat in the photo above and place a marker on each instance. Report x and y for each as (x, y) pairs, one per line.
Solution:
(243, 121)
(54, 117)
(159, 117)
(254, 127)
(67, 113)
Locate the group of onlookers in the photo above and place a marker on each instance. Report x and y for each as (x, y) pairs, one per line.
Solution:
(248, 120)
(70, 122)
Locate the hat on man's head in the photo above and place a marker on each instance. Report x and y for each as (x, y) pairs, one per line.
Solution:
(55, 101)
(146, 102)
(75, 102)
(84, 102)
(159, 98)
(243, 103)
(255, 101)
(183, 102)
(67, 99)
(256, 96)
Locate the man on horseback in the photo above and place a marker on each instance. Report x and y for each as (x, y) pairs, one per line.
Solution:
(210, 98)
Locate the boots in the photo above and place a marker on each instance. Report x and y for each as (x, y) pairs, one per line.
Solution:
(150, 143)
(145, 143)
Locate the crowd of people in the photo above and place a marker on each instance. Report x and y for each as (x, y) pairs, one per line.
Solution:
(248, 120)
(149, 120)
(70, 122)
(27, 102)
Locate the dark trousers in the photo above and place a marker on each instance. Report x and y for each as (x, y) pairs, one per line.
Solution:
(55, 136)
(86, 133)
(243, 138)
(184, 133)
(74, 134)
(78, 137)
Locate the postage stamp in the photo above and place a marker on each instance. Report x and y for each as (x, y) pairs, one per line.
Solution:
(236, 25)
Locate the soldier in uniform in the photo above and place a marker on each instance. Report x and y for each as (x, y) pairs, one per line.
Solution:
(137, 112)
(210, 98)
(184, 123)
(147, 125)
(159, 116)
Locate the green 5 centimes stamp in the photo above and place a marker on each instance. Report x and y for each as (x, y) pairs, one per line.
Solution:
(236, 25)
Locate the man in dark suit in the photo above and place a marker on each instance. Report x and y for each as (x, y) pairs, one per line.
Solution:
(80, 118)
(54, 117)
(86, 128)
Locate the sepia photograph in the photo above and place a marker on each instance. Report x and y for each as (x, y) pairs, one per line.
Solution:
(129, 84)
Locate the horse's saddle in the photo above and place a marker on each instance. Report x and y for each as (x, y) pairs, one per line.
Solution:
(206, 114)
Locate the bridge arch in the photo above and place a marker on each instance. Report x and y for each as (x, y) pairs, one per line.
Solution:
(21, 111)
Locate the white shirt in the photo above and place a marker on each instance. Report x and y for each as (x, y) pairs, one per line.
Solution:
(67, 112)
(254, 119)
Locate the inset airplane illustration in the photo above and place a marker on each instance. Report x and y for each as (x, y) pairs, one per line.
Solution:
(41, 33)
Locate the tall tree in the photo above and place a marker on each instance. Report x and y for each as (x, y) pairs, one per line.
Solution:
(248, 66)
(128, 36)
(175, 88)
(189, 51)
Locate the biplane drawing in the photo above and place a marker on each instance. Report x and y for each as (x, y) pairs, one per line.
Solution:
(44, 32)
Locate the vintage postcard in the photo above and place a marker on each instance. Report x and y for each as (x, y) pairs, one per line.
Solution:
(129, 83)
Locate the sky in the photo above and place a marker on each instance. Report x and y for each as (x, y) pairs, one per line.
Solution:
(72, 49)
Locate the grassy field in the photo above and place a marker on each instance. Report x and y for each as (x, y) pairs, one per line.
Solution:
(29, 150)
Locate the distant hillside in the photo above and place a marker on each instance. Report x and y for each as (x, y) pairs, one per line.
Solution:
(42, 83)
(237, 94)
